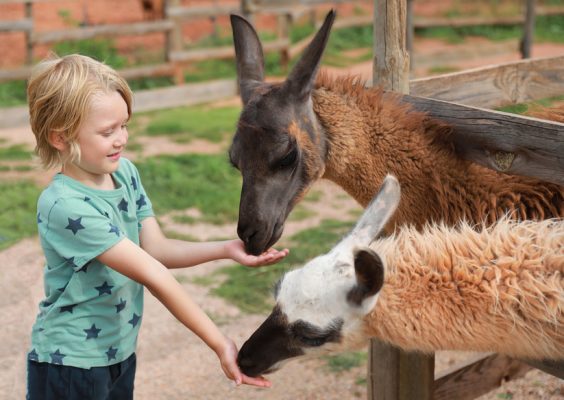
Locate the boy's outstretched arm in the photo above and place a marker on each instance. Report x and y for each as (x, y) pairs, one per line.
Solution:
(132, 261)
(179, 253)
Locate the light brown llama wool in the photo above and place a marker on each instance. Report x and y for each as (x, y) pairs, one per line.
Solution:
(495, 289)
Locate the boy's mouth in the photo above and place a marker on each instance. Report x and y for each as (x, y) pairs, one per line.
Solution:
(115, 155)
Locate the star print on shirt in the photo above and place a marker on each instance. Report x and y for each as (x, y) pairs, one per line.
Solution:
(39, 220)
(134, 183)
(57, 357)
(141, 202)
(121, 305)
(111, 353)
(123, 205)
(92, 332)
(74, 225)
(134, 320)
(67, 308)
(84, 267)
(32, 355)
(71, 263)
(114, 229)
(104, 288)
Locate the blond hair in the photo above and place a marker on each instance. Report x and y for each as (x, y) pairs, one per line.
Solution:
(59, 93)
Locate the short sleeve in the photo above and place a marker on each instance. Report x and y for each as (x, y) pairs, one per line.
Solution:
(78, 231)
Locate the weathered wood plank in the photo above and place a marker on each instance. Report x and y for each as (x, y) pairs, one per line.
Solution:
(136, 28)
(552, 367)
(477, 376)
(24, 24)
(187, 94)
(182, 12)
(14, 74)
(222, 52)
(501, 141)
(496, 85)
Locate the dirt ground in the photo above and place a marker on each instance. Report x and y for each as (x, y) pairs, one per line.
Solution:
(174, 364)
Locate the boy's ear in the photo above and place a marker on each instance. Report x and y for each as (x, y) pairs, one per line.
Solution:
(57, 140)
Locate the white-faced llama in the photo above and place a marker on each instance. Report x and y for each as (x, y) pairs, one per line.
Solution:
(308, 127)
(499, 288)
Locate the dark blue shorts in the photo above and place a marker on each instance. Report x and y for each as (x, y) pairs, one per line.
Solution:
(60, 382)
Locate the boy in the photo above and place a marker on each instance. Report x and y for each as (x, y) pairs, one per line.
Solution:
(102, 243)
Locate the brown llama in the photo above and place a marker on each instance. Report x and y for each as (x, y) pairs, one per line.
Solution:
(308, 127)
(498, 289)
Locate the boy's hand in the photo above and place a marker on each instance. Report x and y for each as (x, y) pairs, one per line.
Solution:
(236, 251)
(228, 359)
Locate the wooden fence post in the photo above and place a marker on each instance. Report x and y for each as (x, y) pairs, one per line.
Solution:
(395, 374)
(28, 41)
(175, 45)
(528, 29)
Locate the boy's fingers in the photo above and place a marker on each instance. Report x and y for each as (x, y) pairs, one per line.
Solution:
(258, 381)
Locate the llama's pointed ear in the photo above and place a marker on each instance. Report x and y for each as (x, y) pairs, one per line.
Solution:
(378, 212)
(301, 79)
(249, 56)
(369, 271)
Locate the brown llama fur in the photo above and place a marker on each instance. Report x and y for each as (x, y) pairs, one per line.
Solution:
(371, 134)
(498, 289)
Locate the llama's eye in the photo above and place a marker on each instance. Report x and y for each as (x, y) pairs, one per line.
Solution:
(289, 159)
(313, 341)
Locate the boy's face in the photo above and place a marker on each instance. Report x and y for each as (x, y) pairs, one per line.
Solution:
(102, 138)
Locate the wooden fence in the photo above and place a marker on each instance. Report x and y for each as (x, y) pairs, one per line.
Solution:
(534, 147)
(176, 54)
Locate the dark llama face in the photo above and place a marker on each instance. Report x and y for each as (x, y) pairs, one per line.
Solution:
(279, 146)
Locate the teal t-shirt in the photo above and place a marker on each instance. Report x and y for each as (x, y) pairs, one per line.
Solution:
(91, 314)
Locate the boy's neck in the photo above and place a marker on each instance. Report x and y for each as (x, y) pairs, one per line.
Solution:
(95, 181)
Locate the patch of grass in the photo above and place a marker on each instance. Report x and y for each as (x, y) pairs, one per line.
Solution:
(442, 69)
(18, 210)
(523, 108)
(187, 123)
(346, 361)
(300, 213)
(250, 288)
(180, 236)
(204, 280)
(549, 28)
(206, 182)
(184, 219)
(15, 152)
(13, 93)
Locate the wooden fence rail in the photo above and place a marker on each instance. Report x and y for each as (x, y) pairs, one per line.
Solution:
(177, 57)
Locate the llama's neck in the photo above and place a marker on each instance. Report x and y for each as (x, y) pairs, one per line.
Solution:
(371, 134)
(497, 290)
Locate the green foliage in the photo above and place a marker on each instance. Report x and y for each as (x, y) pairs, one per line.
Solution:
(346, 361)
(13, 93)
(102, 50)
(186, 123)
(15, 152)
(250, 288)
(443, 69)
(18, 207)
(550, 28)
(206, 182)
(523, 108)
